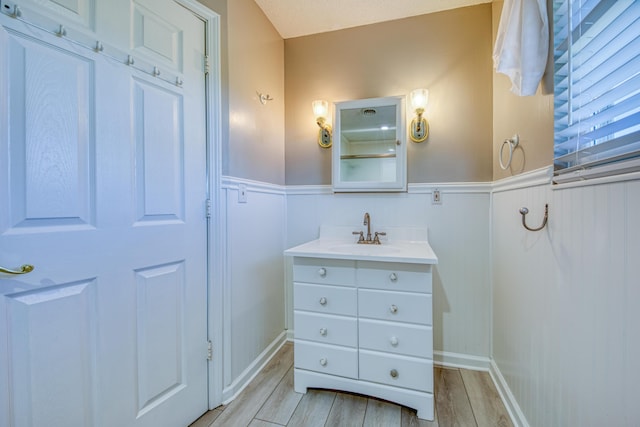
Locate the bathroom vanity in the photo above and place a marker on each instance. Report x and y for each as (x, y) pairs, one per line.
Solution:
(363, 316)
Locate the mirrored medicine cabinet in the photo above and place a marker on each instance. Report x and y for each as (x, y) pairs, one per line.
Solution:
(369, 147)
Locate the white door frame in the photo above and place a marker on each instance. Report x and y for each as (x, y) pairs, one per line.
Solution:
(215, 247)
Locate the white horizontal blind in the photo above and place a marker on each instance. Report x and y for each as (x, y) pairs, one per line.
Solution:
(597, 87)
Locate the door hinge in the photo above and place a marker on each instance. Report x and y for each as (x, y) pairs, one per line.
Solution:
(209, 350)
(206, 64)
(208, 208)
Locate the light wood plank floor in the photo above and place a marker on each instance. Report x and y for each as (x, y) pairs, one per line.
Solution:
(463, 398)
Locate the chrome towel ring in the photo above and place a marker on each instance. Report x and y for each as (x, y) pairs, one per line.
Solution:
(525, 211)
(513, 143)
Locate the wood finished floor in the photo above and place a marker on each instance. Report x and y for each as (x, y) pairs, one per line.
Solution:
(463, 398)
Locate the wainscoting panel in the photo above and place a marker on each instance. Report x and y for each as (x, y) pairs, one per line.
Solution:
(458, 232)
(253, 291)
(566, 324)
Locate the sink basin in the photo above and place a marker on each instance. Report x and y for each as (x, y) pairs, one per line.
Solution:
(356, 249)
(408, 245)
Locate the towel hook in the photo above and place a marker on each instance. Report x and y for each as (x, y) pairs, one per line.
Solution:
(264, 98)
(525, 211)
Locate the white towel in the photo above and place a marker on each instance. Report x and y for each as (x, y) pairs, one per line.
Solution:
(522, 44)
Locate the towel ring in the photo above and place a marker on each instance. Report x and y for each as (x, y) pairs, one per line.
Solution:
(513, 143)
(525, 211)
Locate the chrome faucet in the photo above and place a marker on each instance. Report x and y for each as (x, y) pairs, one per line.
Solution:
(368, 239)
(367, 222)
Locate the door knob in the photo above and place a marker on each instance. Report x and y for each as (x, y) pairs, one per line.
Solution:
(27, 268)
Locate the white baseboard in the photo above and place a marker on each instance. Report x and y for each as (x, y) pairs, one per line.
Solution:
(517, 417)
(235, 388)
(290, 335)
(458, 360)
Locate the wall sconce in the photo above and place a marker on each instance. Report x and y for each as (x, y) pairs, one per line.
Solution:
(320, 110)
(419, 130)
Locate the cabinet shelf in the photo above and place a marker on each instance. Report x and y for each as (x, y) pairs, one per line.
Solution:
(367, 156)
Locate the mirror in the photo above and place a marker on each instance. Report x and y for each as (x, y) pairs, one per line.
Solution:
(369, 147)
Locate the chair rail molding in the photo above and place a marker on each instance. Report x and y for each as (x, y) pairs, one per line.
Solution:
(533, 178)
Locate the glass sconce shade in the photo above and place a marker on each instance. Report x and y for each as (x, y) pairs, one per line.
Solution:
(419, 99)
(320, 108)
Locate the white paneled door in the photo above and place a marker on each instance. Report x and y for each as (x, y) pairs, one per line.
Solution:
(103, 189)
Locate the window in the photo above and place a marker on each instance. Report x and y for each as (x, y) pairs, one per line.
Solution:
(597, 88)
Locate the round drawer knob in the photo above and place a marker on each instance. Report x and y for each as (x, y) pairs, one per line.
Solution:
(393, 373)
(322, 272)
(323, 362)
(393, 309)
(323, 301)
(323, 332)
(394, 341)
(393, 277)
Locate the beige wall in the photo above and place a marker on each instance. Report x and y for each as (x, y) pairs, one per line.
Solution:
(531, 117)
(220, 7)
(471, 109)
(448, 52)
(252, 61)
(256, 63)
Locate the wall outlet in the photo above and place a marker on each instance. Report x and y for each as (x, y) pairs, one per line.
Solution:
(242, 193)
(437, 197)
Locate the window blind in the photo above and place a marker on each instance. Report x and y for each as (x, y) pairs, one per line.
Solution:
(597, 88)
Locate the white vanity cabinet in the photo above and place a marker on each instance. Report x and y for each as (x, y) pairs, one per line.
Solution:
(364, 327)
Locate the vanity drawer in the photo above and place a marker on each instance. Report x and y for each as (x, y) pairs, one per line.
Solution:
(325, 299)
(395, 306)
(396, 370)
(324, 271)
(393, 337)
(394, 276)
(326, 328)
(327, 359)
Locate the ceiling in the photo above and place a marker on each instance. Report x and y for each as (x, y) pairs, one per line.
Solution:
(294, 18)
